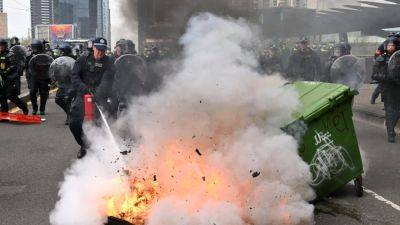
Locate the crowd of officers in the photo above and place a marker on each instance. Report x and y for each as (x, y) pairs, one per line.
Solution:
(93, 72)
(305, 64)
(105, 76)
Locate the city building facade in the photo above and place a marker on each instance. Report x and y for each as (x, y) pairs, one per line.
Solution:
(329, 4)
(3, 25)
(262, 4)
(90, 18)
(41, 13)
(1, 6)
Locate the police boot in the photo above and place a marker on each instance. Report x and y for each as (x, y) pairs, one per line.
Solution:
(391, 139)
(81, 153)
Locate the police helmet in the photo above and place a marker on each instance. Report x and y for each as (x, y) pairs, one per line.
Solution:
(127, 46)
(343, 47)
(3, 42)
(120, 42)
(393, 40)
(14, 41)
(65, 48)
(37, 46)
(90, 44)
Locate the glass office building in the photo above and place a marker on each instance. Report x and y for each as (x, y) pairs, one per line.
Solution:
(90, 17)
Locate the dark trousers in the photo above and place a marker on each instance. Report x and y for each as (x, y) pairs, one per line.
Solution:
(378, 91)
(76, 117)
(64, 99)
(41, 86)
(392, 117)
(11, 92)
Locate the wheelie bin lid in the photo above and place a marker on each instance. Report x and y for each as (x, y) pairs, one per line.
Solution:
(318, 97)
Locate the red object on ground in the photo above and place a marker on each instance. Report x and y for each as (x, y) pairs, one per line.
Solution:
(89, 107)
(20, 118)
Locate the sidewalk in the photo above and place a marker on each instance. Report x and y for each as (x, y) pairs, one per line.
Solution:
(363, 109)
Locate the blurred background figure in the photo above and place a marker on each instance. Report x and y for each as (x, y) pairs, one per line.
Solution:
(271, 61)
(339, 50)
(9, 79)
(304, 63)
(38, 76)
(389, 80)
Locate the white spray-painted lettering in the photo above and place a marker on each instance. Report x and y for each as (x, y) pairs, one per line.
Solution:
(329, 159)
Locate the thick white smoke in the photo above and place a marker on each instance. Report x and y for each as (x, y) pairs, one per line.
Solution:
(210, 137)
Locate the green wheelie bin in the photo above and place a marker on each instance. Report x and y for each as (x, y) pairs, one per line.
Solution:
(328, 142)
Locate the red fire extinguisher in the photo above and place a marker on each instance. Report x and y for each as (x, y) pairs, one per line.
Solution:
(89, 107)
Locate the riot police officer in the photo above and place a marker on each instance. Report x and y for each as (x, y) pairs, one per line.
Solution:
(339, 50)
(77, 50)
(60, 73)
(14, 41)
(123, 47)
(9, 79)
(130, 77)
(304, 63)
(391, 87)
(65, 50)
(38, 76)
(92, 74)
(20, 53)
(270, 61)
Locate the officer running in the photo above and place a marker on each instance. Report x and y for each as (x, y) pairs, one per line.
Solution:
(92, 74)
(9, 79)
(61, 71)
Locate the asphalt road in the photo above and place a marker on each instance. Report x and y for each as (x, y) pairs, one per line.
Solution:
(33, 159)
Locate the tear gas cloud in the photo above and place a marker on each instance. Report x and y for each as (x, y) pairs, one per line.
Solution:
(210, 139)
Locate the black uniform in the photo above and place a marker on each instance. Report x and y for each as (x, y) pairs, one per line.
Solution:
(271, 65)
(9, 82)
(340, 49)
(391, 90)
(89, 76)
(304, 66)
(39, 81)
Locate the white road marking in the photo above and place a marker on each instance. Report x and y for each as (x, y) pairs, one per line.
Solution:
(382, 199)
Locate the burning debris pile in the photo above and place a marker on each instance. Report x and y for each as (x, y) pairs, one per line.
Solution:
(208, 148)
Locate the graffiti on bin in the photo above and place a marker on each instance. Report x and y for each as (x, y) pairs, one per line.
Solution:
(329, 159)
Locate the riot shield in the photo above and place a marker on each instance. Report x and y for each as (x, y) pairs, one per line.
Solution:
(61, 70)
(348, 70)
(41, 65)
(20, 53)
(394, 67)
(130, 76)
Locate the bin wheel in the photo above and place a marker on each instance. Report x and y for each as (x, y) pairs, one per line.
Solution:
(358, 186)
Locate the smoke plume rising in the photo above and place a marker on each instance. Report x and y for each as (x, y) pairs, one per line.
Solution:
(208, 144)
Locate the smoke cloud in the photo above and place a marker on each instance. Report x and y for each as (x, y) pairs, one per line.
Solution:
(209, 142)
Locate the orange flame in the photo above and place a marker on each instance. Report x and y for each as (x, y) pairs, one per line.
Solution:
(181, 170)
(134, 206)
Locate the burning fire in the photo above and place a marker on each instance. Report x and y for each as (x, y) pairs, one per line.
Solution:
(181, 172)
(134, 206)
